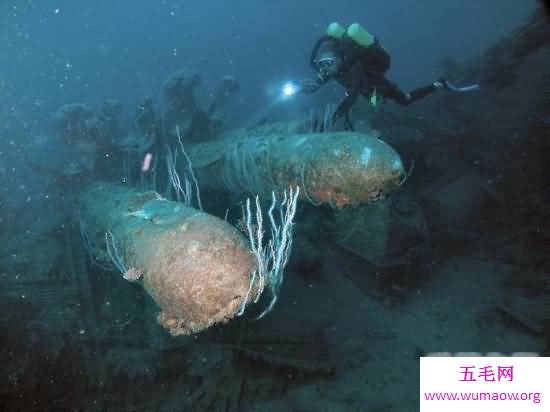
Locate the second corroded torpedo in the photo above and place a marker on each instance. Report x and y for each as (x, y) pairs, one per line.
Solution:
(195, 266)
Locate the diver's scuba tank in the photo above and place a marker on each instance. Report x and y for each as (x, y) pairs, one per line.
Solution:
(360, 36)
(378, 59)
(355, 32)
(336, 30)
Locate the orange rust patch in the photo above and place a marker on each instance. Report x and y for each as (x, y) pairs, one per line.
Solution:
(326, 196)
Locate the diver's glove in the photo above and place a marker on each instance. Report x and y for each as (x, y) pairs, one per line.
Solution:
(342, 112)
(308, 86)
(338, 113)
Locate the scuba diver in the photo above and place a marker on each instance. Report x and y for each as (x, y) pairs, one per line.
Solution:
(357, 60)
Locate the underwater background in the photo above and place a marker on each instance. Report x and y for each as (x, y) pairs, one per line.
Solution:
(142, 142)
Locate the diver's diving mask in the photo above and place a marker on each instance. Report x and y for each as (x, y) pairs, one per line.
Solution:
(326, 62)
(327, 67)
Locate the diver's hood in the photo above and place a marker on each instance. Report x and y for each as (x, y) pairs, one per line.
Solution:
(325, 46)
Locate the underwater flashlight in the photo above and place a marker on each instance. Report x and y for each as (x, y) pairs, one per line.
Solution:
(289, 89)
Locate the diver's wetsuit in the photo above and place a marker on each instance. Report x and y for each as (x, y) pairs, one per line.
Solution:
(363, 72)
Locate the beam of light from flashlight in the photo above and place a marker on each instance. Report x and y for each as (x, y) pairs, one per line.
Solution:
(286, 92)
(289, 89)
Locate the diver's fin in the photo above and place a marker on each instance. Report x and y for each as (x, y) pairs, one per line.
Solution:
(460, 89)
